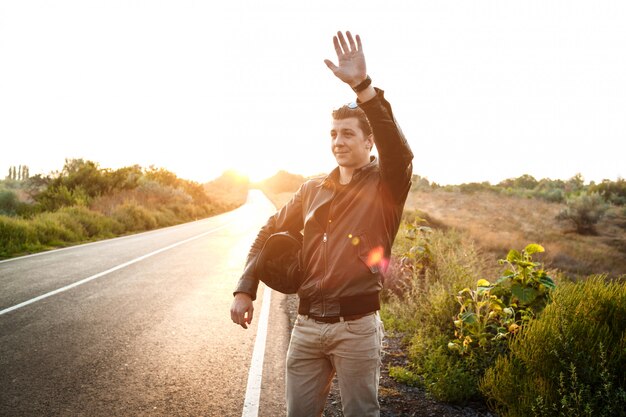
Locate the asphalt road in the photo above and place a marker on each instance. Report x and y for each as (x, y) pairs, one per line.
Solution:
(151, 336)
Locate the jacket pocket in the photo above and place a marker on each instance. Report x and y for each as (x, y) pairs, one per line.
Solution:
(370, 256)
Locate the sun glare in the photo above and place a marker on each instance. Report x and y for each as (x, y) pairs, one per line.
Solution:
(255, 173)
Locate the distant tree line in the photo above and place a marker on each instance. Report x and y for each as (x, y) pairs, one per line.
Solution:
(586, 204)
(20, 173)
(557, 191)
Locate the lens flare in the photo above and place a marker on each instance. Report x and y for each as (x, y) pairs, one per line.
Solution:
(376, 257)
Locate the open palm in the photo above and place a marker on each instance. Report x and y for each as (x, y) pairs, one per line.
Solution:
(351, 67)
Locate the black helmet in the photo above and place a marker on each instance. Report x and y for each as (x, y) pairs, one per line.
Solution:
(278, 263)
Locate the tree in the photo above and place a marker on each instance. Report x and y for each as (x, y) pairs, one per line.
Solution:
(574, 184)
(525, 181)
(584, 211)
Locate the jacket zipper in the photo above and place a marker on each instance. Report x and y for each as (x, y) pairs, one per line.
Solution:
(325, 249)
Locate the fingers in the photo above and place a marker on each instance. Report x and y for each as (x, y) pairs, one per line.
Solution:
(343, 43)
(343, 47)
(337, 47)
(241, 314)
(352, 45)
(243, 321)
(330, 65)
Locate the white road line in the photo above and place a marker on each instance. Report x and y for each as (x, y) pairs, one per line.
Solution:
(108, 271)
(253, 390)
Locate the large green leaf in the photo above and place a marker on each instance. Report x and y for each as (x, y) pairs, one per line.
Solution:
(534, 248)
(513, 255)
(468, 317)
(483, 283)
(548, 282)
(525, 295)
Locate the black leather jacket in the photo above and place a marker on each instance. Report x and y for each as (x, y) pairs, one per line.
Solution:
(347, 235)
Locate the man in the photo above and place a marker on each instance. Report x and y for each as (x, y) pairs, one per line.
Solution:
(349, 221)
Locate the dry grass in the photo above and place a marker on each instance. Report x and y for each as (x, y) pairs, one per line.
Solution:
(499, 223)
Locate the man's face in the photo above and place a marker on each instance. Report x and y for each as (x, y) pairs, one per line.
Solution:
(349, 144)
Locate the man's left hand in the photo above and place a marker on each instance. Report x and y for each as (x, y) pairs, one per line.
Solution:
(351, 67)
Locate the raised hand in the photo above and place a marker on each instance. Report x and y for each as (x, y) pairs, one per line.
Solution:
(351, 66)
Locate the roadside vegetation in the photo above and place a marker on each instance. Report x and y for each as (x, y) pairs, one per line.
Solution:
(507, 295)
(512, 294)
(84, 202)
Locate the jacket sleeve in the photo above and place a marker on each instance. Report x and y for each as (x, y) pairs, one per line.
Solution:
(394, 153)
(288, 218)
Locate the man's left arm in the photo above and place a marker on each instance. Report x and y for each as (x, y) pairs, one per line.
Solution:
(394, 153)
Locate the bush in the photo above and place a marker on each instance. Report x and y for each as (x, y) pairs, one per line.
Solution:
(134, 217)
(554, 195)
(9, 203)
(431, 266)
(525, 181)
(612, 191)
(52, 229)
(16, 235)
(447, 377)
(53, 198)
(474, 187)
(165, 218)
(570, 361)
(491, 315)
(93, 223)
(584, 211)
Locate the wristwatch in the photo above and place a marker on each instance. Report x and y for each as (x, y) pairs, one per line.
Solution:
(363, 85)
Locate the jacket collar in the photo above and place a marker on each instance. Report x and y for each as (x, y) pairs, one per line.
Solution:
(333, 177)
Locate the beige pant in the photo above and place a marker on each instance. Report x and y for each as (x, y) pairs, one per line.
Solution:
(318, 350)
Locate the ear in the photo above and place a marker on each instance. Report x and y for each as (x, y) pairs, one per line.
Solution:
(369, 141)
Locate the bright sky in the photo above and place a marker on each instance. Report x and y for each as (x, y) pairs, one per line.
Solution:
(484, 90)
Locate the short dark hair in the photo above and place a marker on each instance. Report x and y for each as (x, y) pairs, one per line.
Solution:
(346, 111)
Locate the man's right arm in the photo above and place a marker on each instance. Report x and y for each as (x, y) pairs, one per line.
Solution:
(288, 218)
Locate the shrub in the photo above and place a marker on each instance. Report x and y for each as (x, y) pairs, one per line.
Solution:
(50, 229)
(584, 211)
(53, 198)
(9, 203)
(16, 235)
(134, 217)
(447, 377)
(165, 217)
(612, 191)
(570, 361)
(554, 195)
(93, 223)
(431, 265)
(473, 187)
(491, 315)
(525, 181)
